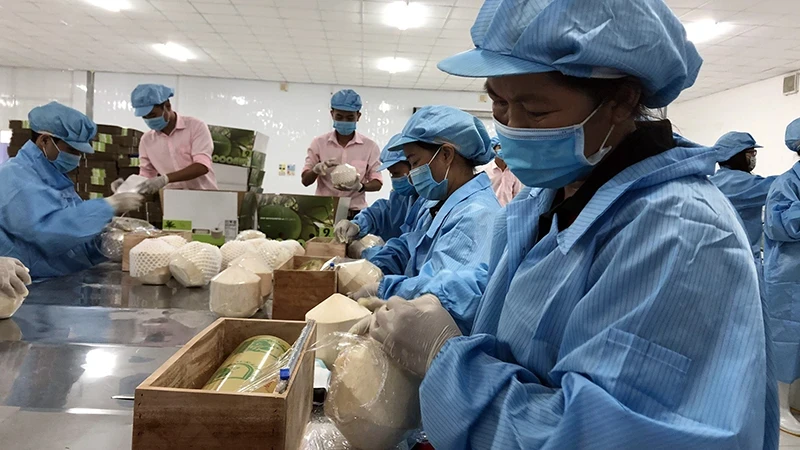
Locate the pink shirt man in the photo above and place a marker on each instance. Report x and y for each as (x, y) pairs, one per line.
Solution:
(506, 186)
(361, 152)
(190, 142)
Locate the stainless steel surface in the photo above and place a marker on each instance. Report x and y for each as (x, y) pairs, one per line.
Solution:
(77, 343)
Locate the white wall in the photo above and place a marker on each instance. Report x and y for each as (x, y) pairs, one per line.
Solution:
(760, 109)
(291, 119)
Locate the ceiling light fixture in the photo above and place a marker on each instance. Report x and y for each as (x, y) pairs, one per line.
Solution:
(111, 5)
(393, 65)
(404, 15)
(174, 51)
(706, 30)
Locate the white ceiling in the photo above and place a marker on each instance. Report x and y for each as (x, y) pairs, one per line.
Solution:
(339, 41)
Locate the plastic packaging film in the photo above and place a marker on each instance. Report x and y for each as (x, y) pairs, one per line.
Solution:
(131, 184)
(235, 292)
(354, 275)
(322, 434)
(113, 236)
(252, 359)
(247, 235)
(149, 261)
(194, 264)
(355, 249)
(344, 175)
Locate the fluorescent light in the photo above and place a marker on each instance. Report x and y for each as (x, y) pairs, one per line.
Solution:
(404, 15)
(174, 51)
(111, 5)
(394, 65)
(706, 30)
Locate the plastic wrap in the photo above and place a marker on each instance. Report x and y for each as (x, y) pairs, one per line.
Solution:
(354, 275)
(322, 434)
(232, 250)
(252, 262)
(113, 236)
(247, 235)
(149, 261)
(372, 400)
(250, 361)
(344, 175)
(355, 249)
(131, 184)
(336, 314)
(296, 247)
(195, 264)
(235, 292)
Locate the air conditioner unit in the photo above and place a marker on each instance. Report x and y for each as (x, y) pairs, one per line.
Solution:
(790, 84)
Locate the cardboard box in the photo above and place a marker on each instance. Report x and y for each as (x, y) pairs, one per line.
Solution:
(172, 412)
(118, 131)
(296, 292)
(212, 216)
(298, 217)
(235, 146)
(133, 239)
(125, 172)
(124, 162)
(324, 246)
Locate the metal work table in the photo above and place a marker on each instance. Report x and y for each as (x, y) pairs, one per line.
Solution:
(79, 340)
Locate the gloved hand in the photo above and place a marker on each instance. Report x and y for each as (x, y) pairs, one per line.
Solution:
(353, 187)
(371, 303)
(411, 332)
(323, 167)
(153, 185)
(13, 277)
(370, 290)
(346, 231)
(116, 184)
(125, 202)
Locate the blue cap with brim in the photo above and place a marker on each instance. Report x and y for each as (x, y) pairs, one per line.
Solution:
(583, 38)
(70, 125)
(146, 96)
(346, 100)
(390, 156)
(733, 143)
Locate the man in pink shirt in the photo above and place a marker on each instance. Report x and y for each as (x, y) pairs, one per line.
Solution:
(176, 152)
(506, 186)
(344, 145)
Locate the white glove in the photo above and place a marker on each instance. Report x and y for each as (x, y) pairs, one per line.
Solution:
(125, 202)
(354, 187)
(346, 231)
(13, 277)
(370, 290)
(153, 185)
(411, 332)
(116, 184)
(323, 167)
(371, 303)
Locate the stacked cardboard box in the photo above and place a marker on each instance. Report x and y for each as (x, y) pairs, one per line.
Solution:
(20, 134)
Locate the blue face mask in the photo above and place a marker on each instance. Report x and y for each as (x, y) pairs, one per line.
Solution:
(66, 162)
(157, 123)
(424, 183)
(344, 128)
(549, 157)
(403, 186)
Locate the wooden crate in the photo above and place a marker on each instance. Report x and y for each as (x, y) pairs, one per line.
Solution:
(296, 292)
(171, 412)
(320, 246)
(133, 239)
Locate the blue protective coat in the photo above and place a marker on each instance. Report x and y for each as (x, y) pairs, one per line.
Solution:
(454, 240)
(43, 222)
(782, 271)
(388, 218)
(637, 327)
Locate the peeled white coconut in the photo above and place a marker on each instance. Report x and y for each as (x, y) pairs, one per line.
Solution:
(174, 240)
(295, 247)
(354, 275)
(253, 263)
(274, 254)
(235, 292)
(149, 261)
(195, 263)
(372, 401)
(247, 235)
(344, 175)
(336, 314)
(355, 249)
(232, 250)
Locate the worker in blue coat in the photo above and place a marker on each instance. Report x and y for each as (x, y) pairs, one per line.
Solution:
(622, 309)
(782, 276)
(390, 218)
(43, 222)
(443, 146)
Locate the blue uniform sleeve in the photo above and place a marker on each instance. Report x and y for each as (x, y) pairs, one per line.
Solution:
(393, 257)
(670, 309)
(460, 293)
(383, 218)
(783, 211)
(37, 216)
(742, 189)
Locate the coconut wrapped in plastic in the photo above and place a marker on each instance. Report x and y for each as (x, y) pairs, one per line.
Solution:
(235, 292)
(195, 264)
(149, 261)
(336, 314)
(354, 275)
(232, 250)
(344, 175)
(372, 401)
(174, 240)
(247, 235)
(296, 247)
(356, 248)
(113, 236)
(253, 262)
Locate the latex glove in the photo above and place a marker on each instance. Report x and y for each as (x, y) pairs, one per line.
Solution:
(125, 202)
(153, 185)
(370, 290)
(346, 231)
(13, 277)
(354, 187)
(413, 332)
(323, 167)
(371, 303)
(116, 184)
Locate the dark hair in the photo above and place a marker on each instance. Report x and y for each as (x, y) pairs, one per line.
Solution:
(35, 137)
(738, 162)
(604, 89)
